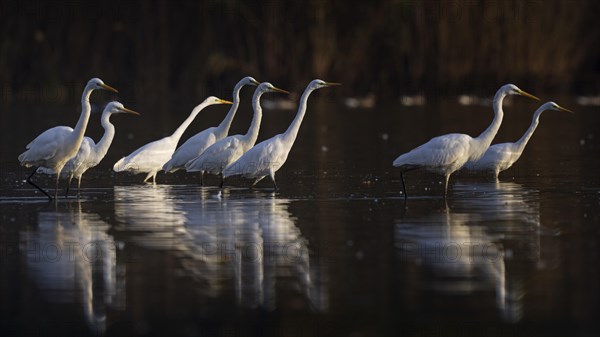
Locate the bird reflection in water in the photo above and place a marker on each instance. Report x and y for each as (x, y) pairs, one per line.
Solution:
(227, 242)
(72, 259)
(469, 248)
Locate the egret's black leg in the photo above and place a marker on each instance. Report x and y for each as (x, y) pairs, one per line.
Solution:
(403, 185)
(274, 183)
(36, 186)
(201, 178)
(222, 180)
(68, 186)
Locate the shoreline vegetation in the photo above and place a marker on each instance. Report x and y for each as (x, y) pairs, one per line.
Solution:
(182, 49)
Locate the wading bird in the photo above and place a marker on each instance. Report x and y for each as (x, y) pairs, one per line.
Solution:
(91, 154)
(500, 157)
(54, 147)
(194, 146)
(268, 156)
(224, 152)
(448, 153)
(151, 157)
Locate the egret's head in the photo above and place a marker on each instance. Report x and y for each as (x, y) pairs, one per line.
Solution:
(117, 108)
(268, 87)
(215, 100)
(96, 83)
(511, 89)
(249, 80)
(556, 107)
(316, 84)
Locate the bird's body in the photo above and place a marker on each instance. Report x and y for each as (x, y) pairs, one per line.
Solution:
(448, 153)
(151, 157)
(500, 157)
(54, 147)
(267, 157)
(227, 150)
(91, 154)
(198, 143)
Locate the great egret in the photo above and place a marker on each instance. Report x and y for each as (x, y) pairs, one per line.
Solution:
(227, 150)
(448, 153)
(500, 157)
(54, 147)
(268, 156)
(194, 146)
(151, 157)
(90, 154)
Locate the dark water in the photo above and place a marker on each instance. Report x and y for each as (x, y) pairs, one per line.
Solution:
(337, 251)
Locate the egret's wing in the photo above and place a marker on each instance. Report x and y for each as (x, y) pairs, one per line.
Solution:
(147, 158)
(83, 159)
(496, 156)
(440, 151)
(216, 154)
(191, 149)
(45, 146)
(259, 160)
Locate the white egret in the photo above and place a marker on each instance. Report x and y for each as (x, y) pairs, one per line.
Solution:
(227, 150)
(448, 153)
(268, 156)
(151, 157)
(194, 146)
(54, 147)
(500, 157)
(90, 154)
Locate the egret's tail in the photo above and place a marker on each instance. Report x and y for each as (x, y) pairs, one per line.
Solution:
(121, 165)
(23, 159)
(193, 166)
(170, 167)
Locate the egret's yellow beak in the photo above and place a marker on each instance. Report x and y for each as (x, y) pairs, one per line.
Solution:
(129, 111)
(281, 91)
(329, 84)
(222, 101)
(528, 95)
(109, 88)
(564, 109)
(255, 82)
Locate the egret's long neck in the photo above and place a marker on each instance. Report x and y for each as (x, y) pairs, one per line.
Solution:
(483, 141)
(181, 129)
(102, 146)
(223, 128)
(290, 134)
(522, 142)
(86, 109)
(252, 133)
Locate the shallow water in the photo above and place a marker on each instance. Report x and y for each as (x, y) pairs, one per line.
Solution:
(336, 251)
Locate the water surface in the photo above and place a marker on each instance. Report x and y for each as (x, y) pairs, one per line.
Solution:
(336, 251)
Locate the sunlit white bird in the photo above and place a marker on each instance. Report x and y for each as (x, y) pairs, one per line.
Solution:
(500, 157)
(448, 153)
(227, 150)
(268, 156)
(91, 154)
(54, 147)
(151, 157)
(194, 146)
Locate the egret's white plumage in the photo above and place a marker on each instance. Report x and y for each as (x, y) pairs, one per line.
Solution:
(90, 154)
(448, 153)
(500, 157)
(224, 152)
(267, 157)
(194, 146)
(151, 157)
(54, 147)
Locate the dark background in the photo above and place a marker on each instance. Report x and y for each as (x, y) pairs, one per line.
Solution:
(159, 51)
